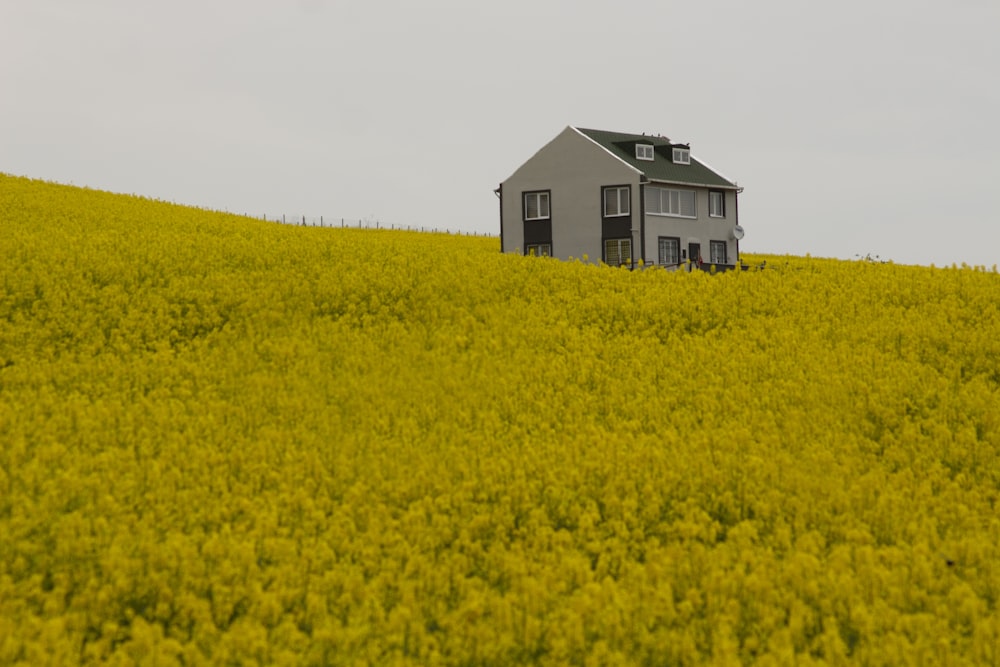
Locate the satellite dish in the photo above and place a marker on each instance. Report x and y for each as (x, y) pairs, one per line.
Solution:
(738, 232)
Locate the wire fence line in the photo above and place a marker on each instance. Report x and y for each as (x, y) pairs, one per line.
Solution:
(364, 223)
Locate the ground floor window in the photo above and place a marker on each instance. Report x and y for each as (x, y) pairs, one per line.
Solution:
(718, 252)
(617, 251)
(538, 249)
(670, 250)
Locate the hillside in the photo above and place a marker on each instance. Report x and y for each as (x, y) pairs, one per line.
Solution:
(224, 440)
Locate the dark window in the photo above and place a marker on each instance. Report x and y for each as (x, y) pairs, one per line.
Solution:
(539, 250)
(617, 251)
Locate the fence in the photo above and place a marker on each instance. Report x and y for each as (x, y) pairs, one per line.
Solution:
(365, 223)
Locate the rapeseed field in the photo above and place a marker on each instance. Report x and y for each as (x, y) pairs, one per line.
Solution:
(226, 441)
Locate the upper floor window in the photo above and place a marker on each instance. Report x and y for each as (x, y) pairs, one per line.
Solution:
(682, 156)
(644, 152)
(536, 205)
(616, 201)
(663, 201)
(717, 204)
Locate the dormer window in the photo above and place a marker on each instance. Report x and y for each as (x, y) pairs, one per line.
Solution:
(682, 156)
(644, 152)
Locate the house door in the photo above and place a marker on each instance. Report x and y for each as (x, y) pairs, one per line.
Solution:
(694, 254)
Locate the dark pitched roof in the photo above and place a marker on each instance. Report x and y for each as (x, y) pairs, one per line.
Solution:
(662, 168)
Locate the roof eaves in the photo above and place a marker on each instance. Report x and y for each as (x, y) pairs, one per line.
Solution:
(605, 149)
(714, 186)
(716, 171)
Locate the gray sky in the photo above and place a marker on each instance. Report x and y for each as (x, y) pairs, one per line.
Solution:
(856, 127)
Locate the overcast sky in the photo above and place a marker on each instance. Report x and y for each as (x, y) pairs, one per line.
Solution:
(857, 127)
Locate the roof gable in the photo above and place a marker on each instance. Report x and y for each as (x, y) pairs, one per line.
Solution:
(662, 168)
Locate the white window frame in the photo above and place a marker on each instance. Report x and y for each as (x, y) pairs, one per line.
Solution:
(644, 152)
(714, 248)
(663, 244)
(539, 196)
(620, 245)
(716, 211)
(682, 156)
(619, 194)
(667, 202)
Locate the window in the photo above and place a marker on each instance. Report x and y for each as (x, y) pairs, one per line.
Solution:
(644, 152)
(682, 156)
(717, 204)
(717, 252)
(662, 201)
(539, 250)
(617, 251)
(670, 250)
(536, 205)
(616, 201)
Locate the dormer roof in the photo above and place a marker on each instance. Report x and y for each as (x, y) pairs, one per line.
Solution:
(662, 167)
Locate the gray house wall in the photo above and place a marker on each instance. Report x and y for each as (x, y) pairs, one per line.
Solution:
(573, 169)
(702, 229)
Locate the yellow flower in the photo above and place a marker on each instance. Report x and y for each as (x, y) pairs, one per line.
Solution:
(225, 440)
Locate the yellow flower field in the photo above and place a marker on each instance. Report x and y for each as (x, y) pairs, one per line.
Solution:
(227, 441)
